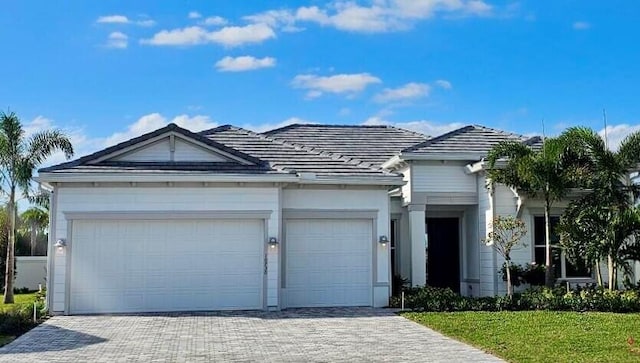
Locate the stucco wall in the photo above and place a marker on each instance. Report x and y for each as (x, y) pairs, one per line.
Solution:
(31, 271)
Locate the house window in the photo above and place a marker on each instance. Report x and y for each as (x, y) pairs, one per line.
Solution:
(562, 268)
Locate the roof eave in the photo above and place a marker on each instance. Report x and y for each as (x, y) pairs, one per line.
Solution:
(443, 156)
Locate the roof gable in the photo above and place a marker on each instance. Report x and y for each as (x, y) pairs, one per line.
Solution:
(170, 147)
(469, 142)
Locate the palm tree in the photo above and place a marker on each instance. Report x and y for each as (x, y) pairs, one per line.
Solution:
(19, 157)
(538, 172)
(610, 205)
(37, 220)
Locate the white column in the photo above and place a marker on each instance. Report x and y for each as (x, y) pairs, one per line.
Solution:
(417, 226)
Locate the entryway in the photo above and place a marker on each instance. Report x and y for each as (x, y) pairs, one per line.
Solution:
(443, 252)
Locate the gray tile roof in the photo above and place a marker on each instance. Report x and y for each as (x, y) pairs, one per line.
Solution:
(89, 163)
(285, 156)
(371, 145)
(472, 139)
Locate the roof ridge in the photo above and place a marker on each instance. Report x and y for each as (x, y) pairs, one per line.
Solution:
(310, 150)
(439, 138)
(499, 131)
(297, 125)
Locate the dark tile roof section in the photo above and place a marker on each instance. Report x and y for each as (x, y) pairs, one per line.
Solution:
(473, 139)
(87, 163)
(285, 156)
(369, 145)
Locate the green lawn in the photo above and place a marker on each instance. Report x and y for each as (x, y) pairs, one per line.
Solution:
(20, 299)
(542, 336)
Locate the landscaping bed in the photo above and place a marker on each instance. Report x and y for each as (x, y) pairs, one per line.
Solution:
(16, 319)
(542, 336)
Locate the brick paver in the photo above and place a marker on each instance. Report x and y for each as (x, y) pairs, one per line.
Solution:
(297, 335)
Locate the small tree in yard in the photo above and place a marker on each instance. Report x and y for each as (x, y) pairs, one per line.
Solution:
(504, 237)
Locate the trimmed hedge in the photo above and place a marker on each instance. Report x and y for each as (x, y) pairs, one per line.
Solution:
(536, 298)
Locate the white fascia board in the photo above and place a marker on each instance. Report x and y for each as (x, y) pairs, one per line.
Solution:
(47, 178)
(443, 156)
(390, 181)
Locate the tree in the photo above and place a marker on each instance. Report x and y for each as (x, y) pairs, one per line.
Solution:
(504, 237)
(539, 172)
(602, 223)
(37, 220)
(19, 157)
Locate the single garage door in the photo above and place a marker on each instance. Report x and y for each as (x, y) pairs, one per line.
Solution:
(328, 262)
(122, 266)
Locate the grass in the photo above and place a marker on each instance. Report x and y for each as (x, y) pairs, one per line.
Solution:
(542, 336)
(19, 300)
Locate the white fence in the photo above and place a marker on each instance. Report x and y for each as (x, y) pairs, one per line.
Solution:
(30, 271)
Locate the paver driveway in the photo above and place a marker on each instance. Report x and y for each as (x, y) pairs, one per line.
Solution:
(298, 335)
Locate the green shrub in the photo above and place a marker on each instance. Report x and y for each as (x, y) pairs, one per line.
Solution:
(19, 318)
(536, 298)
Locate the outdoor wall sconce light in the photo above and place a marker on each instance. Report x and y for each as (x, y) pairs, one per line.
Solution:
(60, 244)
(273, 242)
(383, 241)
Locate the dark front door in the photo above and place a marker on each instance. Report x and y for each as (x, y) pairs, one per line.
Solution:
(443, 257)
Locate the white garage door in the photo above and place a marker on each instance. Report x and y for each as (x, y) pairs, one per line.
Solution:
(166, 265)
(328, 262)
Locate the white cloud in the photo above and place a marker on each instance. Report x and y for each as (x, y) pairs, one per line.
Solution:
(443, 83)
(194, 15)
(283, 19)
(374, 16)
(214, 21)
(581, 25)
(339, 84)
(429, 128)
(122, 19)
(230, 36)
(117, 40)
(617, 133)
(186, 36)
(113, 19)
(407, 92)
(244, 63)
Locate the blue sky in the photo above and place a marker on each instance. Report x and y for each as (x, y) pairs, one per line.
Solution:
(109, 70)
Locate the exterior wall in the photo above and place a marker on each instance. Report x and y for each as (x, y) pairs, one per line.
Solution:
(470, 284)
(343, 199)
(436, 176)
(157, 151)
(104, 199)
(406, 188)
(487, 255)
(31, 271)
(189, 152)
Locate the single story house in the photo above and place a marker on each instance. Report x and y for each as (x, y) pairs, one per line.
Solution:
(300, 216)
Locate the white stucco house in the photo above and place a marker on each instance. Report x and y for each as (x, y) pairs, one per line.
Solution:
(301, 216)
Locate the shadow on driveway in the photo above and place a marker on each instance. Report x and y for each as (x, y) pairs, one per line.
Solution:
(49, 338)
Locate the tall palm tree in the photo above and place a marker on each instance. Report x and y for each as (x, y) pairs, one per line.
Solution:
(19, 157)
(37, 220)
(536, 172)
(610, 204)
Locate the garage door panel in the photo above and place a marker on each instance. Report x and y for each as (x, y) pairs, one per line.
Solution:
(163, 265)
(328, 263)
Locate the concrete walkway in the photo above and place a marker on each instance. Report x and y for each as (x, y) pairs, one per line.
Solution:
(298, 335)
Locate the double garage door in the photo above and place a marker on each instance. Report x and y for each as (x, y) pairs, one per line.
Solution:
(127, 266)
(120, 266)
